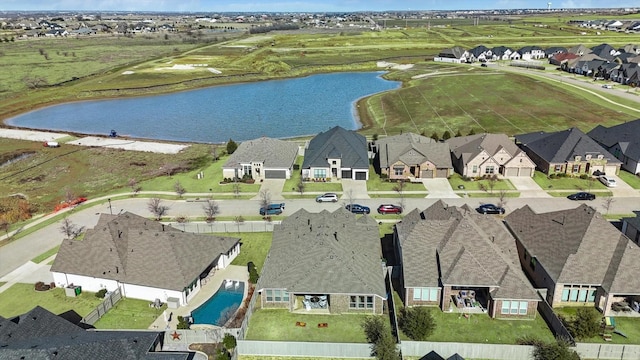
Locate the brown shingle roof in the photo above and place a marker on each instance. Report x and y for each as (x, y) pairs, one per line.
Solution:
(135, 250)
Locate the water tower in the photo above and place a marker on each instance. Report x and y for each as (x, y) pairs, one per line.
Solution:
(548, 6)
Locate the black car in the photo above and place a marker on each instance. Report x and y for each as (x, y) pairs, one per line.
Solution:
(490, 209)
(582, 196)
(358, 209)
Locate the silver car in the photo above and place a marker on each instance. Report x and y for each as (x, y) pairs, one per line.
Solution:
(328, 197)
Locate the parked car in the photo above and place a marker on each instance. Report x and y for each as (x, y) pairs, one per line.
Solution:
(328, 197)
(389, 209)
(483, 65)
(582, 196)
(490, 209)
(358, 209)
(607, 86)
(272, 209)
(609, 182)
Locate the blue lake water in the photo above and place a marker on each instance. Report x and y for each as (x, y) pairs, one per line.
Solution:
(220, 307)
(275, 108)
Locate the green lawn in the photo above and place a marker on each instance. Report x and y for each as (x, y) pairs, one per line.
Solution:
(280, 325)
(45, 255)
(629, 326)
(511, 194)
(629, 178)
(501, 184)
(20, 298)
(375, 183)
(567, 183)
(398, 196)
(567, 193)
(291, 185)
(129, 314)
(254, 247)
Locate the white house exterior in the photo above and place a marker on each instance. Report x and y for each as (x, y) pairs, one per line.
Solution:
(262, 158)
(143, 258)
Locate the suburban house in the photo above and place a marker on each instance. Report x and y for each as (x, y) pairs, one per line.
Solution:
(39, 334)
(411, 156)
(263, 158)
(480, 53)
(631, 227)
(456, 55)
(462, 261)
(568, 152)
(531, 53)
(143, 258)
(622, 141)
(327, 262)
(578, 256)
(504, 53)
(336, 153)
(489, 154)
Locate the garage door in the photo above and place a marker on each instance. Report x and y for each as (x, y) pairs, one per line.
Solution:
(511, 172)
(442, 173)
(610, 170)
(346, 174)
(426, 174)
(275, 174)
(526, 172)
(361, 175)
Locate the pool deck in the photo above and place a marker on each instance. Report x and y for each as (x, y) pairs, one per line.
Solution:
(211, 285)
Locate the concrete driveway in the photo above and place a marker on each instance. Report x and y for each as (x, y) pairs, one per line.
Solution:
(354, 189)
(439, 188)
(273, 187)
(527, 187)
(622, 189)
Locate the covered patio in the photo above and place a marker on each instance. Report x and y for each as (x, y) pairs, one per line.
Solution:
(468, 300)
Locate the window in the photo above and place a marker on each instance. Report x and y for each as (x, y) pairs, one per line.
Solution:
(277, 295)
(523, 307)
(514, 307)
(489, 170)
(558, 168)
(425, 294)
(246, 170)
(361, 302)
(587, 157)
(319, 173)
(398, 170)
(333, 162)
(579, 293)
(576, 168)
(475, 169)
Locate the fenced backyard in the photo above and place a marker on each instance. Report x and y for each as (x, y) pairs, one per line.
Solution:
(109, 301)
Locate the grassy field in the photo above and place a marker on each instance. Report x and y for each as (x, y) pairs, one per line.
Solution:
(130, 314)
(45, 255)
(629, 178)
(627, 325)
(567, 183)
(253, 247)
(20, 298)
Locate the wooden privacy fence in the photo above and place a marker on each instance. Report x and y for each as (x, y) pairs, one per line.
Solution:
(106, 304)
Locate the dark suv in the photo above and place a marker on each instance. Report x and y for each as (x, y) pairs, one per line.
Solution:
(272, 209)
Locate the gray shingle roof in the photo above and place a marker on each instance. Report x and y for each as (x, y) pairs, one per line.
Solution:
(563, 146)
(456, 247)
(624, 134)
(413, 149)
(468, 147)
(273, 153)
(39, 334)
(135, 250)
(335, 143)
(333, 253)
(578, 246)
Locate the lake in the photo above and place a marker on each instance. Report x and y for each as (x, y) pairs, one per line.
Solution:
(275, 108)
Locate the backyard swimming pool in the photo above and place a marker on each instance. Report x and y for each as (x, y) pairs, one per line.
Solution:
(221, 306)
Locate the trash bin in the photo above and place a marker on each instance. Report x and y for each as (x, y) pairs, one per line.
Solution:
(78, 290)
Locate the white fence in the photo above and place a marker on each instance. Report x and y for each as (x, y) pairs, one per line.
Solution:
(224, 226)
(467, 350)
(306, 349)
(608, 351)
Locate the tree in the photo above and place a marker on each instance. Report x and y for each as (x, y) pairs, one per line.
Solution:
(4, 225)
(300, 186)
(239, 220)
(374, 327)
(236, 187)
(69, 229)
(399, 188)
(69, 196)
(135, 187)
(169, 169)
(179, 189)
(446, 135)
(472, 131)
(211, 210)
(253, 273)
(231, 146)
(558, 350)
(417, 322)
(156, 208)
(585, 324)
(607, 203)
(385, 348)
(383, 345)
(458, 134)
(34, 82)
(502, 198)
(492, 181)
(229, 342)
(265, 199)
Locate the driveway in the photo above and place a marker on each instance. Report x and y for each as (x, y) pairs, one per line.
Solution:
(527, 187)
(354, 189)
(622, 189)
(439, 188)
(273, 187)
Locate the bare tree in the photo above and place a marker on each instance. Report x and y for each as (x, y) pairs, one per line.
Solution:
(399, 188)
(135, 187)
(265, 199)
(69, 229)
(300, 186)
(239, 220)
(350, 197)
(69, 196)
(211, 210)
(607, 203)
(492, 181)
(4, 225)
(156, 207)
(502, 198)
(179, 189)
(236, 187)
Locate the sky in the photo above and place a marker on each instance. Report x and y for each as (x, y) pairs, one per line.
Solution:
(300, 5)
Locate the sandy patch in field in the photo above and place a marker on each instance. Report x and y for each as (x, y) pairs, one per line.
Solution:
(128, 72)
(394, 66)
(30, 135)
(125, 144)
(215, 71)
(433, 74)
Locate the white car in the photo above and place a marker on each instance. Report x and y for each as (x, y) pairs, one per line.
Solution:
(328, 197)
(609, 182)
(607, 86)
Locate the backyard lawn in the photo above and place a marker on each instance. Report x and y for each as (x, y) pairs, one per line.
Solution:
(130, 314)
(501, 184)
(629, 178)
(280, 325)
(629, 326)
(567, 183)
(20, 298)
(254, 246)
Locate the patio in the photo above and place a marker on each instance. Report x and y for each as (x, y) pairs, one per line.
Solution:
(468, 301)
(311, 304)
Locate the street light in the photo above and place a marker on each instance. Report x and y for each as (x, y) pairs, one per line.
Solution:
(110, 209)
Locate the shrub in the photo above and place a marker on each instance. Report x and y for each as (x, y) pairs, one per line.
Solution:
(101, 293)
(558, 350)
(417, 323)
(41, 286)
(584, 176)
(222, 354)
(253, 275)
(585, 324)
(229, 342)
(183, 324)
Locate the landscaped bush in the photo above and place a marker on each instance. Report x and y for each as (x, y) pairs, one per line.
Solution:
(41, 286)
(584, 176)
(101, 293)
(417, 322)
(585, 324)
(182, 323)
(229, 342)
(253, 273)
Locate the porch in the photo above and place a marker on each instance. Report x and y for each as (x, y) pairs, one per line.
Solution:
(468, 301)
(311, 304)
